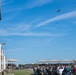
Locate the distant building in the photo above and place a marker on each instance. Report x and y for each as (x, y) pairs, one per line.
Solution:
(55, 61)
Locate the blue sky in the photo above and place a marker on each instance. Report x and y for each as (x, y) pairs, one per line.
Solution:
(33, 30)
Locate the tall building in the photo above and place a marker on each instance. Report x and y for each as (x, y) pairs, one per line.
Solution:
(2, 59)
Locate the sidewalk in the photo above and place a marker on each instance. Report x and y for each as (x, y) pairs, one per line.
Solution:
(10, 74)
(7, 74)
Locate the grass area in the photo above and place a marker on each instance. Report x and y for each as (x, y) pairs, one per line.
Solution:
(22, 72)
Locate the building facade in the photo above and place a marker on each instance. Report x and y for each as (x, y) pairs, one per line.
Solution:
(2, 59)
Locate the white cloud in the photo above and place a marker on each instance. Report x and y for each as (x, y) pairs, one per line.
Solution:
(63, 16)
(41, 42)
(37, 3)
(21, 27)
(4, 2)
(74, 22)
(69, 48)
(4, 32)
(5, 39)
(16, 49)
(10, 17)
(29, 4)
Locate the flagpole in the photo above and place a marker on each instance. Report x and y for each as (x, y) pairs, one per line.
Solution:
(0, 9)
(0, 57)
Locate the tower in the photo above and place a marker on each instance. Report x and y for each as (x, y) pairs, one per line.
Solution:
(0, 9)
(2, 59)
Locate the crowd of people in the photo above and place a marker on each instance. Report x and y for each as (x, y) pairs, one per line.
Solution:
(55, 70)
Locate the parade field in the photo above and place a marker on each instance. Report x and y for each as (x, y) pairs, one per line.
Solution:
(22, 72)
